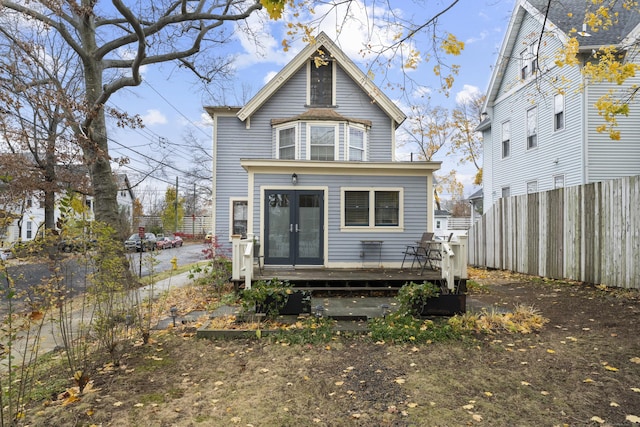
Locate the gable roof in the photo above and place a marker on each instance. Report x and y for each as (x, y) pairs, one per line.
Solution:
(561, 18)
(352, 70)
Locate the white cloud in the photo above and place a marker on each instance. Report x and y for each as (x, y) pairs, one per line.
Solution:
(154, 117)
(483, 35)
(352, 25)
(467, 92)
(269, 76)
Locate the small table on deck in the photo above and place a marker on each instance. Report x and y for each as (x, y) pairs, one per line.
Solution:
(371, 244)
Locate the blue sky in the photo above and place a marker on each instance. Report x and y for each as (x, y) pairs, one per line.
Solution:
(171, 103)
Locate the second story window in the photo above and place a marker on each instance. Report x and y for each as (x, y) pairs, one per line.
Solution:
(286, 143)
(506, 191)
(321, 80)
(558, 112)
(532, 128)
(529, 61)
(558, 181)
(532, 187)
(322, 142)
(506, 139)
(356, 151)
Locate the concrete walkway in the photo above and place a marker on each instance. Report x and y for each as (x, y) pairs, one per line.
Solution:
(51, 335)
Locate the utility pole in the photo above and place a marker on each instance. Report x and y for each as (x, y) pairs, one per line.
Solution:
(193, 214)
(175, 205)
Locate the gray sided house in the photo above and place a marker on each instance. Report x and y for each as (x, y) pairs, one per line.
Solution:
(307, 168)
(540, 128)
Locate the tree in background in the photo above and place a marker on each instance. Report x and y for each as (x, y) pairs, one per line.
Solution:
(466, 142)
(173, 212)
(111, 41)
(32, 126)
(138, 212)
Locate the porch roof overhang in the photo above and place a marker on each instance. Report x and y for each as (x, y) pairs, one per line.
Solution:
(316, 167)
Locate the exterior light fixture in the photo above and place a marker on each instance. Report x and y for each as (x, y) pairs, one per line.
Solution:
(294, 178)
(385, 309)
(174, 313)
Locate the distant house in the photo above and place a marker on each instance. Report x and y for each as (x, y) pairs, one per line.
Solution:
(125, 198)
(28, 223)
(441, 222)
(307, 167)
(539, 129)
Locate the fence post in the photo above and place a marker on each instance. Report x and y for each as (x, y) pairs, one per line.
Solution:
(236, 257)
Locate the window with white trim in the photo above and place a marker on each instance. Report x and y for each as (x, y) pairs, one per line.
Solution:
(506, 191)
(239, 214)
(558, 181)
(532, 128)
(322, 142)
(529, 60)
(558, 112)
(506, 139)
(286, 143)
(372, 208)
(29, 230)
(532, 187)
(356, 144)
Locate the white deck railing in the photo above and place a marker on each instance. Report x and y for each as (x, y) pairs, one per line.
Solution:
(454, 260)
(452, 266)
(242, 259)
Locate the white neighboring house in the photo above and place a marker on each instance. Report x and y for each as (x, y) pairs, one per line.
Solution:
(539, 128)
(125, 198)
(441, 222)
(33, 216)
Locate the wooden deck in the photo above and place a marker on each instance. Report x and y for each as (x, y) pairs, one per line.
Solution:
(339, 281)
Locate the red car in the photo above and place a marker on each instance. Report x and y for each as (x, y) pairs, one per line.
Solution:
(176, 241)
(164, 243)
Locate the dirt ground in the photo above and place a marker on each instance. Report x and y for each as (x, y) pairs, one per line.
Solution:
(582, 369)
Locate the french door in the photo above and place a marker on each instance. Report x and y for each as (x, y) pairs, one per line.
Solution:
(294, 225)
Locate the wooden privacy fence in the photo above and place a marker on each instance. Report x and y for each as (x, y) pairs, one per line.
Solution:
(589, 233)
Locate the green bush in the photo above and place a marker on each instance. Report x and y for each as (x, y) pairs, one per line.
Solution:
(413, 296)
(401, 327)
(268, 295)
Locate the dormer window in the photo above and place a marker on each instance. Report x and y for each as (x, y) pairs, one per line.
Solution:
(321, 71)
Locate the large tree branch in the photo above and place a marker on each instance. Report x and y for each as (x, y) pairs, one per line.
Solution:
(61, 29)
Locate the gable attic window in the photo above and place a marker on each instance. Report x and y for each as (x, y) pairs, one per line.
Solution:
(529, 60)
(321, 70)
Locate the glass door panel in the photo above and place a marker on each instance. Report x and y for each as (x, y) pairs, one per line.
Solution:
(278, 226)
(294, 227)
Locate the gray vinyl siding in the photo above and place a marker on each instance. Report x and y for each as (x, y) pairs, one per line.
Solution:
(234, 142)
(351, 102)
(557, 152)
(346, 246)
(606, 158)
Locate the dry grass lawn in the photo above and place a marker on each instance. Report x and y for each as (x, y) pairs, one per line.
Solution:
(582, 369)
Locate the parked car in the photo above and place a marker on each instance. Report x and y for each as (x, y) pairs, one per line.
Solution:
(176, 241)
(76, 244)
(164, 243)
(134, 242)
(6, 253)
